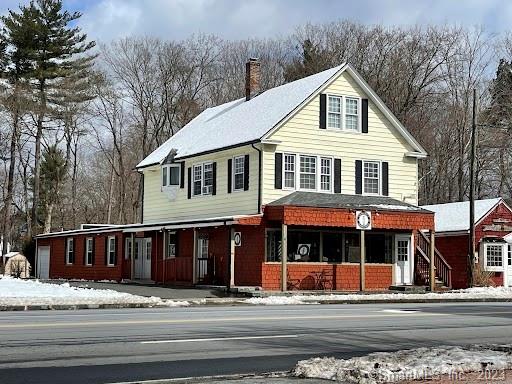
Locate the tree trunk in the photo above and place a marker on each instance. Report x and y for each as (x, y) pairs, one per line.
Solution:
(48, 219)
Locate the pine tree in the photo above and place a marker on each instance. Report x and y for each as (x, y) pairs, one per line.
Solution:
(56, 54)
(53, 175)
(311, 61)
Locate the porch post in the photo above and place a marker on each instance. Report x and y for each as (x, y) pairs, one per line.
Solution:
(432, 257)
(284, 257)
(362, 250)
(232, 258)
(194, 258)
(132, 256)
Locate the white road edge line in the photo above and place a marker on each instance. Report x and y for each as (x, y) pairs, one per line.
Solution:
(220, 339)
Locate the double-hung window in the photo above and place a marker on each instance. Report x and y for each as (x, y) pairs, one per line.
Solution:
(307, 174)
(238, 173)
(334, 112)
(170, 175)
(325, 173)
(111, 251)
(351, 114)
(289, 171)
(371, 177)
(203, 179)
(70, 251)
(88, 250)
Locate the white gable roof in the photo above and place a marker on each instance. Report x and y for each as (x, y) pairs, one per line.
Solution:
(242, 122)
(453, 217)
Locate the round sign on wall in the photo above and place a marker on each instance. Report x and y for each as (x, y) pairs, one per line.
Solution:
(237, 237)
(363, 220)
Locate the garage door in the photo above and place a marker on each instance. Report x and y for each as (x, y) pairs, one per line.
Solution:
(43, 262)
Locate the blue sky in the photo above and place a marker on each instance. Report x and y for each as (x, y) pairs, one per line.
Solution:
(104, 20)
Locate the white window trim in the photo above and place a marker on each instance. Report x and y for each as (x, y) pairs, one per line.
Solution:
(127, 252)
(168, 167)
(343, 114)
(504, 255)
(317, 173)
(87, 250)
(202, 178)
(109, 264)
(294, 171)
(233, 172)
(72, 241)
(380, 177)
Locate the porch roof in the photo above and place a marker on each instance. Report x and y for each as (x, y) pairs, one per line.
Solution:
(336, 200)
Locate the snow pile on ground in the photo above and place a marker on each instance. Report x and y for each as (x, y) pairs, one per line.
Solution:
(33, 292)
(414, 364)
(462, 294)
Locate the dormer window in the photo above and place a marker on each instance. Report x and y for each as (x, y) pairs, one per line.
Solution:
(171, 175)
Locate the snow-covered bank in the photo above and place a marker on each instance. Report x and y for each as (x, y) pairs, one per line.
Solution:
(462, 294)
(421, 363)
(14, 292)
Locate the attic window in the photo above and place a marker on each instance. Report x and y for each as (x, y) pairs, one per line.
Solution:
(334, 112)
(170, 175)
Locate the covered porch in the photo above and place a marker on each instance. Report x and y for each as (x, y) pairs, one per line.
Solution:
(327, 249)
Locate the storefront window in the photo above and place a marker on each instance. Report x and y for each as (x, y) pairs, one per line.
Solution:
(303, 246)
(333, 247)
(273, 245)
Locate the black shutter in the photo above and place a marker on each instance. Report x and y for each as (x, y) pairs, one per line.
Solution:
(385, 178)
(65, 250)
(230, 174)
(85, 250)
(246, 172)
(106, 250)
(323, 111)
(182, 175)
(364, 115)
(214, 176)
(278, 171)
(359, 177)
(337, 175)
(116, 249)
(93, 250)
(189, 181)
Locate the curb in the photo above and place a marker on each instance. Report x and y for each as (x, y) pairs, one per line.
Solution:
(238, 302)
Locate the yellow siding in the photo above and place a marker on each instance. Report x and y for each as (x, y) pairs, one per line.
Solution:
(301, 134)
(158, 207)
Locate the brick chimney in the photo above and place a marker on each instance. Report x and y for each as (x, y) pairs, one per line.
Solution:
(252, 78)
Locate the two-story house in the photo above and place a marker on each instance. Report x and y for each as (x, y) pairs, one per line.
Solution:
(309, 185)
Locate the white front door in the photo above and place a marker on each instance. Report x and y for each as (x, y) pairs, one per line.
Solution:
(43, 262)
(146, 274)
(138, 258)
(403, 260)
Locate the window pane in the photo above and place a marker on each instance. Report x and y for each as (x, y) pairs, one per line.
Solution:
(333, 245)
(289, 171)
(274, 246)
(303, 246)
(334, 120)
(175, 175)
(208, 178)
(307, 181)
(334, 104)
(351, 123)
(198, 174)
(238, 170)
(494, 255)
(371, 176)
(307, 172)
(325, 174)
(351, 106)
(308, 164)
(239, 181)
(289, 179)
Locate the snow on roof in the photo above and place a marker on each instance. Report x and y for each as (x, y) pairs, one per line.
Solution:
(11, 254)
(452, 217)
(239, 121)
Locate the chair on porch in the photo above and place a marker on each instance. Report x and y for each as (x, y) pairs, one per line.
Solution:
(325, 280)
(292, 284)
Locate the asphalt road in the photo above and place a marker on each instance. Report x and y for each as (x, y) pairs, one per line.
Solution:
(107, 346)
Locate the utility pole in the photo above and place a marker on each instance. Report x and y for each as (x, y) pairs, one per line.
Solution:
(471, 245)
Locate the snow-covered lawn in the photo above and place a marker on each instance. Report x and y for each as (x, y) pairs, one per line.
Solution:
(464, 294)
(33, 292)
(421, 363)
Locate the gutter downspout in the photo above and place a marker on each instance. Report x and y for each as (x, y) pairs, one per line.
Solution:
(260, 155)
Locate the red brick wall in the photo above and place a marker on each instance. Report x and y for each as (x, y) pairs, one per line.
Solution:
(78, 270)
(345, 276)
(397, 220)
